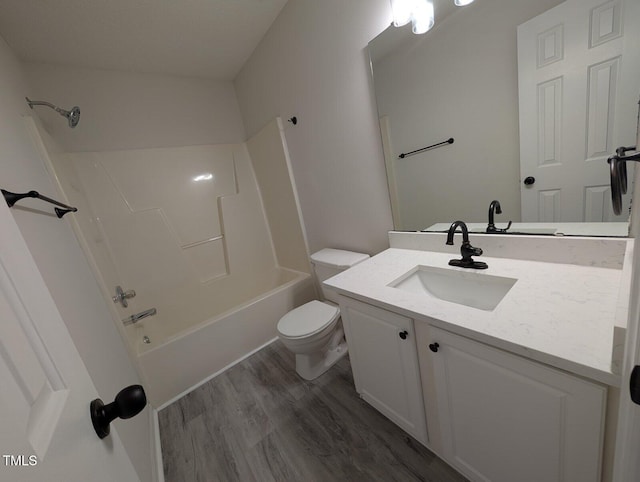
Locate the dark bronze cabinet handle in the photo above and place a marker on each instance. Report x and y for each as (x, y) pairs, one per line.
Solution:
(403, 334)
(434, 347)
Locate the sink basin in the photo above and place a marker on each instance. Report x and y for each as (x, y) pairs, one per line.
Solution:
(469, 288)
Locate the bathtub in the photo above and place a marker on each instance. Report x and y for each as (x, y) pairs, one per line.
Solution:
(174, 364)
(220, 270)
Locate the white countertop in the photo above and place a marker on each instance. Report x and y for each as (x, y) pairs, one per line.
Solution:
(558, 314)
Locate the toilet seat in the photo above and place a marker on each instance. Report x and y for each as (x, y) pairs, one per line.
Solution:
(307, 320)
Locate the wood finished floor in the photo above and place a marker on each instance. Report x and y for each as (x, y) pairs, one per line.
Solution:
(259, 421)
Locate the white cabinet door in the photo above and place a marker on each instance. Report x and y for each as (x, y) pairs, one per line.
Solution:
(384, 361)
(504, 418)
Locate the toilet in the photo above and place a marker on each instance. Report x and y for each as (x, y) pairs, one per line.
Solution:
(314, 331)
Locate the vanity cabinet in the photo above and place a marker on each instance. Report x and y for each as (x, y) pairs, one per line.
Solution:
(504, 418)
(384, 361)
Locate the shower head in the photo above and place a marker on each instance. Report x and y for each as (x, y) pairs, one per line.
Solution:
(73, 116)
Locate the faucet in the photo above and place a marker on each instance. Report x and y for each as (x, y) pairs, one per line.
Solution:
(466, 250)
(491, 228)
(135, 318)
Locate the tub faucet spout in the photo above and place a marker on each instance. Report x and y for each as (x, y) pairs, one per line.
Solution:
(136, 317)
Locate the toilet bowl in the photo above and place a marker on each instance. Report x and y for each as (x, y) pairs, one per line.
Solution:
(313, 331)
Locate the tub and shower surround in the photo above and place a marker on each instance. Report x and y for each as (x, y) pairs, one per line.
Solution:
(207, 235)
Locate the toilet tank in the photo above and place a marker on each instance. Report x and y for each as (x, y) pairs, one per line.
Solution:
(329, 262)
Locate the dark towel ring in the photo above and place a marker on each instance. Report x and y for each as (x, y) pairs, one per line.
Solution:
(618, 175)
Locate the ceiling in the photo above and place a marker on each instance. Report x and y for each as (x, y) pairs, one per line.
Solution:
(203, 38)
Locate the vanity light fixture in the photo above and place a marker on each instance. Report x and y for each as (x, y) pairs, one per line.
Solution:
(423, 17)
(419, 12)
(402, 12)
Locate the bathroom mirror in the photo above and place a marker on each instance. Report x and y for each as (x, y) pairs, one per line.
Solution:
(461, 81)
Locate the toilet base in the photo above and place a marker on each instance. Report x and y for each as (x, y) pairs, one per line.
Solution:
(312, 366)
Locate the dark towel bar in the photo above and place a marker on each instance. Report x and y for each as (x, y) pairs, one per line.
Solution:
(12, 198)
(405, 154)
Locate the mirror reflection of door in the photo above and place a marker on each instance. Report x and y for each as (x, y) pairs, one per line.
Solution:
(460, 80)
(570, 62)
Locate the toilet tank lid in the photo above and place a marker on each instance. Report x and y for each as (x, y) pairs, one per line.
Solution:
(338, 258)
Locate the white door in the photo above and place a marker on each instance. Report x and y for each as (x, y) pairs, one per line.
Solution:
(627, 460)
(574, 109)
(46, 432)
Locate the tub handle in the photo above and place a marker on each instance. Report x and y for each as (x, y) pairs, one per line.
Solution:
(122, 296)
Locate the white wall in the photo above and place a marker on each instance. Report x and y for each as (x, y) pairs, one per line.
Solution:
(126, 110)
(192, 250)
(63, 266)
(313, 64)
(459, 80)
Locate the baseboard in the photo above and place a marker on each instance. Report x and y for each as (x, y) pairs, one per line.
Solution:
(211, 377)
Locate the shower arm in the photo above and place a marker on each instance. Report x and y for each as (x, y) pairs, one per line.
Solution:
(48, 104)
(72, 116)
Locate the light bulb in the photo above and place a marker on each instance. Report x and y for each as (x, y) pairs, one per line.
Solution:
(462, 3)
(402, 11)
(423, 16)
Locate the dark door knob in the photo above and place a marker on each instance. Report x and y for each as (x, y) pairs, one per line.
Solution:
(403, 334)
(434, 347)
(529, 180)
(128, 403)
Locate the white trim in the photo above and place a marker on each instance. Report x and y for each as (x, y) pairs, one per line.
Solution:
(292, 178)
(389, 164)
(211, 377)
(157, 469)
(34, 129)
